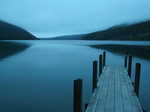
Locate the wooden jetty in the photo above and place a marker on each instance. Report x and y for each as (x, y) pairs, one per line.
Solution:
(114, 93)
(113, 90)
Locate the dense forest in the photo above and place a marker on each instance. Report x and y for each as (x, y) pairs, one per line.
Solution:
(13, 32)
(138, 31)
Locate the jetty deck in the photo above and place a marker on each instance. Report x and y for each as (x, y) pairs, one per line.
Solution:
(114, 92)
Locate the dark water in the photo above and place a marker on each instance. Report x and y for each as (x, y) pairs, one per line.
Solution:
(40, 79)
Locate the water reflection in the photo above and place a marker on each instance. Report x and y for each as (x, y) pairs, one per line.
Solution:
(8, 48)
(41, 78)
(133, 50)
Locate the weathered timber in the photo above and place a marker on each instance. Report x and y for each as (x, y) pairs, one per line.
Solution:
(100, 64)
(114, 93)
(125, 61)
(130, 66)
(137, 78)
(77, 100)
(104, 59)
(94, 80)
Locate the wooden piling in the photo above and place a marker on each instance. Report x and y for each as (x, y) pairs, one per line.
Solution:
(86, 105)
(77, 103)
(125, 61)
(94, 75)
(100, 64)
(130, 66)
(104, 59)
(137, 78)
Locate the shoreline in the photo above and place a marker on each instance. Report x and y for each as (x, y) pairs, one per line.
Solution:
(134, 50)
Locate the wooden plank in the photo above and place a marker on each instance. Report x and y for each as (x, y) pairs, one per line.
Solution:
(103, 93)
(118, 94)
(98, 94)
(132, 94)
(109, 101)
(115, 93)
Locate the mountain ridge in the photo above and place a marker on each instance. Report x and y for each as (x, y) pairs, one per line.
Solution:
(12, 32)
(137, 31)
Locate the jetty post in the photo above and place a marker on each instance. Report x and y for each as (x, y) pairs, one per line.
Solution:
(130, 66)
(125, 61)
(137, 78)
(100, 64)
(104, 59)
(94, 75)
(77, 95)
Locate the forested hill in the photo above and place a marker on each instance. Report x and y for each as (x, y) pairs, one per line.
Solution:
(13, 32)
(138, 31)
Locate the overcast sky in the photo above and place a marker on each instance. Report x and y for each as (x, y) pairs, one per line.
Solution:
(47, 18)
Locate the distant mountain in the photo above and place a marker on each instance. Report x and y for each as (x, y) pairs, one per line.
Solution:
(138, 31)
(67, 37)
(13, 32)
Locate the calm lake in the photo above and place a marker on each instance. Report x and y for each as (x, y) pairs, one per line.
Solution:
(40, 78)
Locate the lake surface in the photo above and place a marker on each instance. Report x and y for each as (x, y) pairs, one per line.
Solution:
(40, 78)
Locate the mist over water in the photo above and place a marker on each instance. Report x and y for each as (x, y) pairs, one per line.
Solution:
(51, 18)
